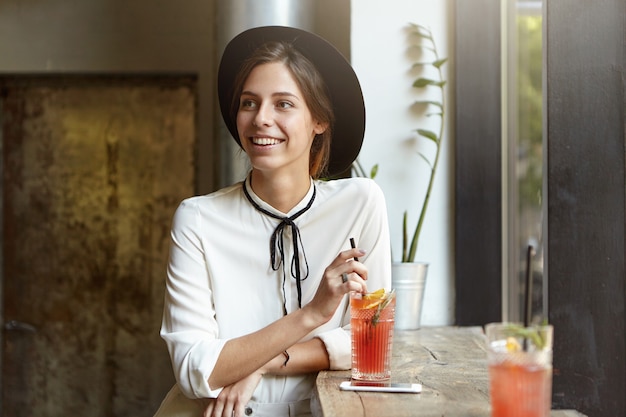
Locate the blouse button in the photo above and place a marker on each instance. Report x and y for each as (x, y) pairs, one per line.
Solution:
(248, 411)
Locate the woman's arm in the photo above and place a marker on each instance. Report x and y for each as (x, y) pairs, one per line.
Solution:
(244, 355)
(304, 358)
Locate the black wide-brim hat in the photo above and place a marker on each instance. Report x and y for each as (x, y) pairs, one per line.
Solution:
(343, 86)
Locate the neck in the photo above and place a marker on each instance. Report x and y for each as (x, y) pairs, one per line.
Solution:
(281, 192)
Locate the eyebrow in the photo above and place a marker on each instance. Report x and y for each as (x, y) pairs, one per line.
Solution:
(276, 94)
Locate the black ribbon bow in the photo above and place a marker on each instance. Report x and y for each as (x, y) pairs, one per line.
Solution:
(277, 242)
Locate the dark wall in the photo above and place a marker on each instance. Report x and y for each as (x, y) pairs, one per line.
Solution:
(478, 163)
(118, 36)
(585, 59)
(584, 187)
(73, 41)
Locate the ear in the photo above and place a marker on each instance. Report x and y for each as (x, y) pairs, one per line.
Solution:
(320, 128)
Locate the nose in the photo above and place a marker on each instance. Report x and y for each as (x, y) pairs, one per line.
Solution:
(263, 116)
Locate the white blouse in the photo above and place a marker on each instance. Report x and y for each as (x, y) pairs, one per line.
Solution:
(221, 284)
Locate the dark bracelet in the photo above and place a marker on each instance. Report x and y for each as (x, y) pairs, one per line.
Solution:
(287, 358)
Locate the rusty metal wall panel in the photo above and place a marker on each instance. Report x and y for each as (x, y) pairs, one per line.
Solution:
(93, 171)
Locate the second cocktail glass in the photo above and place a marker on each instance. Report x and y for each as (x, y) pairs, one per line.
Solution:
(520, 369)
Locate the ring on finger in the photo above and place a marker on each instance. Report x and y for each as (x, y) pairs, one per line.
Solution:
(344, 277)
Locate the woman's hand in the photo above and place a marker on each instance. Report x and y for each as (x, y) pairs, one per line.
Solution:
(332, 288)
(231, 402)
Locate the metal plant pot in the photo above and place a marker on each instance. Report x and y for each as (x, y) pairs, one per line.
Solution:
(409, 280)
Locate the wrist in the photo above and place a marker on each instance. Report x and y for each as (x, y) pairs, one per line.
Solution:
(274, 366)
(311, 319)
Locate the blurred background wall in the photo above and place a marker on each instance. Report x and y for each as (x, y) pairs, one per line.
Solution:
(108, 120)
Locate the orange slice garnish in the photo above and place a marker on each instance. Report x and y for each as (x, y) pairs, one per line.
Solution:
(512, 345)
(374, 298)
(376, 295)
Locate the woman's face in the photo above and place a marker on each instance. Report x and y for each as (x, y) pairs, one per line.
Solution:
(275, 126)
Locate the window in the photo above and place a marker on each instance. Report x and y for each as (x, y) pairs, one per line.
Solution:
(522, 158)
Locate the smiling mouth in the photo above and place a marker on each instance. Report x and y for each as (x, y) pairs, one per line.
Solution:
(265, 141)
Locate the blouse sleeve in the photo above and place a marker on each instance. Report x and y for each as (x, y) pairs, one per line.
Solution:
(189, 327)
(372, 233)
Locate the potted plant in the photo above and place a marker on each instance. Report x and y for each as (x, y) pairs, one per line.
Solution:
(409, 247)
(409, 276)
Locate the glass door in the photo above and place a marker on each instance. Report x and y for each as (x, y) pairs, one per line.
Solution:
(523, 159)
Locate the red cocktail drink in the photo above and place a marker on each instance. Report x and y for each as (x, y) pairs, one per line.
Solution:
(372, 325)
(520, 370)
(519, 390)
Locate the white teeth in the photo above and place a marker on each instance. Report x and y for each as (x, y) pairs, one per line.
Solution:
(265, 141)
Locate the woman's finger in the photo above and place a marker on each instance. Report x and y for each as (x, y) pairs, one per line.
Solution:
(346, 255)
(353, 282)
(239, 410)
(208, 409)
(349, 267)
(229, 407)
(217, 409)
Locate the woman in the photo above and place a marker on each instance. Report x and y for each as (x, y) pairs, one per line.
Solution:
(259, 272)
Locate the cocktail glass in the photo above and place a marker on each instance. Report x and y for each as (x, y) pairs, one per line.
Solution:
(372, 325)
(520, 369)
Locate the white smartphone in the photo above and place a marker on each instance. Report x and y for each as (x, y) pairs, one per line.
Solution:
(380, 387)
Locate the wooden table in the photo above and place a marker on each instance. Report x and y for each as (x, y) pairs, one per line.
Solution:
(449, 362)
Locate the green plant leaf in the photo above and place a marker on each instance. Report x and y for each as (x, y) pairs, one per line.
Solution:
(426, 102)
(374, 171)
(425, 82)
(422, 34)
(359, 171)
(438, 63)
(405, 237)
(425, 159)
(428, 135)
(420, 31)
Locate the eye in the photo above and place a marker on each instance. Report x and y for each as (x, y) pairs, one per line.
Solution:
(284, 104)
(247, 103)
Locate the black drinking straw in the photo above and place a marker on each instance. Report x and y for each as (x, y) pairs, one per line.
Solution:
(345, 310)
(528, 289)
(353, 246)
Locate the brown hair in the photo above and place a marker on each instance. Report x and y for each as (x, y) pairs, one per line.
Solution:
(311, 84)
